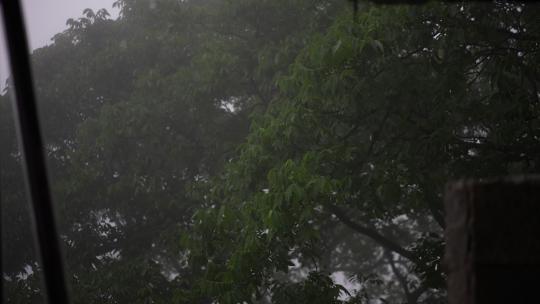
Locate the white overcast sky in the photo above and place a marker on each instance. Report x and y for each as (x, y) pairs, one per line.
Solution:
(45, 18)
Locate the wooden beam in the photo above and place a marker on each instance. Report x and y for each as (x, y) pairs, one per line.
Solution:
(493, 241)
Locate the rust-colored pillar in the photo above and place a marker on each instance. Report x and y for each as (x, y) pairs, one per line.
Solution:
(493, 241)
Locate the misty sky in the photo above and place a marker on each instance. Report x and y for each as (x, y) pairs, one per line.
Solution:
(45, 18)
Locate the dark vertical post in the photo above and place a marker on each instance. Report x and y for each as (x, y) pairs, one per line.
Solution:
(30, 139)
(1, 236)
(493, 241)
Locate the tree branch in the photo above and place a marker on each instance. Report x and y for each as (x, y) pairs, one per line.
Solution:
(373, 234)
(401, 278)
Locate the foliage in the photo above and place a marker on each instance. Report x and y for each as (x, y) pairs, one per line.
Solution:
(374, 116)
(270, 151)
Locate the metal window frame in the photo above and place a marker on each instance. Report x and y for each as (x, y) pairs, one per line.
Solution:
(34, 162)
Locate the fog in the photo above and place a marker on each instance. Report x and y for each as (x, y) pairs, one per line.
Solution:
(277, 151)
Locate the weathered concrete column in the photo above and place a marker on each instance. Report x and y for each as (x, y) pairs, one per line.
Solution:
(493, 241)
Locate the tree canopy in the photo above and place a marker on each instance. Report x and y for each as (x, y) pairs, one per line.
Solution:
(254, 151)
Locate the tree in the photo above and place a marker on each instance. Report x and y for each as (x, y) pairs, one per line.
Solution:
(136, 109)
(264, 151)
(345, 171)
